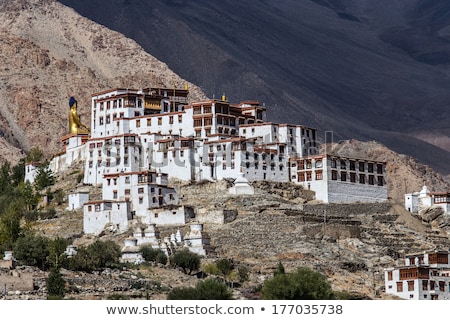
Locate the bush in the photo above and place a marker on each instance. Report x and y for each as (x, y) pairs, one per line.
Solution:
(304, 284)
(55, 285)
(183, 294)
(209, 289)
(225, 267)
(98, 255)
(186, 260)
(32, 250)
(153, 255)
(161, 258)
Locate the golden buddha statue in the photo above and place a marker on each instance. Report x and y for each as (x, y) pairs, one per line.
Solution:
(75, 125)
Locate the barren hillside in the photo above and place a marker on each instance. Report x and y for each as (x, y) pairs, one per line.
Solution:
(48, 53)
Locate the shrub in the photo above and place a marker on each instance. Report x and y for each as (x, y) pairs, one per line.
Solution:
(32, 250)
(153, 255)
(209, 289)
(55, 285)
(186, 260)
(95, 256)
(304, 284)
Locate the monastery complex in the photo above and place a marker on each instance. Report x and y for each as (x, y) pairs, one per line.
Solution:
(138, 139)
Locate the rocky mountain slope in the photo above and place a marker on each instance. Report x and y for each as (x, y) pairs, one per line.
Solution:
(48, 53)
(369, 70)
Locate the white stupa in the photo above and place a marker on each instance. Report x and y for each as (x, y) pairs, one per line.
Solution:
(241, 186)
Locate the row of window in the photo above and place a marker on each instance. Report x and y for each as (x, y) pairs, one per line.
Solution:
(360, 178)
(361, 165)
(426, 286)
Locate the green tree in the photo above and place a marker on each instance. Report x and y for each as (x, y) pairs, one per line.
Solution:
(95, 256)
(209, 289)
(149, 253)
(243, 273)
(304, 284)
(104, 253)
(34, 155)
(29, 198)
(55, 285)
(186, 260)
(56, 249)
(161, 258)
(5, 178)
(44, 177)
(225, 267)
(58, 195)
(32, 250)
(9, 228)
(18, 173)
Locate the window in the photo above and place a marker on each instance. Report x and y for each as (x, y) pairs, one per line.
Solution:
(362, 178)
(127, 192)
(442, 286)
(334, 175)
(389, 275)
(333, 163)
(308, 164)
(352, 177)
(370, 167)
(380, 181)
(141, 190)
(127, 180)
(399, 286)
(411, 285)
(319, 175)
(308, 176)
(352, 165)
(319, 163)
(362, 166)
(301, 176)
(425, 285)
(371, 180)
(343, 164)
(343, 176)
(379, 168)
(138, 123)
(115, 194)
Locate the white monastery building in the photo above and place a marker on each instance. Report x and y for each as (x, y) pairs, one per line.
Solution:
(138, 139)
(425, 276)
(425, 199)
